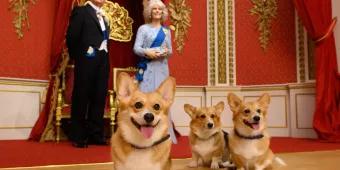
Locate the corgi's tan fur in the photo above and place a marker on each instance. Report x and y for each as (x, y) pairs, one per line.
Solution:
(141, 140)
(207, 139)
(249, 140)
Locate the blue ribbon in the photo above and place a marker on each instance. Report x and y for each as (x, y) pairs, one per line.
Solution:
(142, 64)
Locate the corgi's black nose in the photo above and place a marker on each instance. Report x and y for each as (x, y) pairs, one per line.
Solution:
(256, 118)
(148, 117)
(210, 125)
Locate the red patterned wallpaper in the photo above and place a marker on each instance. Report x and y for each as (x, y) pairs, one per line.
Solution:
(278, 63)
(29, 57)
(190, 67)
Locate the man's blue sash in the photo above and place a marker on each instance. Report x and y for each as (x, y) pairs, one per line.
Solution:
(142, 64)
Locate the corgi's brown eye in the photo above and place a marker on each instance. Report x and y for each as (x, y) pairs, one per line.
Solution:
(258, 110)
(156, 107)
(247, 111)
(212, 116)
(138, 105)
(202, 116)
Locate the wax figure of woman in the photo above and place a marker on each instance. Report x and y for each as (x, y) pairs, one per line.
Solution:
(153, 46)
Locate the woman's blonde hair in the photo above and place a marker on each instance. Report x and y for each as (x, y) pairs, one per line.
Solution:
(148, 10)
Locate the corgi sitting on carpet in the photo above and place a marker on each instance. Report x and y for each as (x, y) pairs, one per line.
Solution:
(209, 144)
(249, 140)
(142, 141)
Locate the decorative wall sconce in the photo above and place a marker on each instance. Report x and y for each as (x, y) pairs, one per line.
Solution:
(180, 20)
(20, 8)
(266, 10)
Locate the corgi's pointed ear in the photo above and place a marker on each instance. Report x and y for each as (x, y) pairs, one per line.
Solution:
(190, 110)
(125, 86)
(264, 100)
(219, 107)
(167, 90)
(234, 102)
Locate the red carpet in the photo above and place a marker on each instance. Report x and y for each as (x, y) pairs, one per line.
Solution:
(18, 153)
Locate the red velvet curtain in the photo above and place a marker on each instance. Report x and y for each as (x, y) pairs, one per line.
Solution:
(58, 43)
(121, 53)
(316, 16)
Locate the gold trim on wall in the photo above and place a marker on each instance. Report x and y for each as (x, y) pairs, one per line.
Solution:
(221, 42)
(231, 53)
(20, 21)
(266, 10)
(4, 81)
(222, 63)
(261, 88)
(211, 29)
(119, 21)
(180, 17)
(301, 51)
(16, 127)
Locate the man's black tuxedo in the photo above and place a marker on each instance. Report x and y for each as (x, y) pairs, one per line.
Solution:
(90, 75)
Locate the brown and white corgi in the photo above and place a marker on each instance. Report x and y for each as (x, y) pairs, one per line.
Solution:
(249, 141)
(142, 140)
(209, 144)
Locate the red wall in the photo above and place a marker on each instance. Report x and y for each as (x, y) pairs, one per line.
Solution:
(29, 57)
(190, 67)
(278, 63)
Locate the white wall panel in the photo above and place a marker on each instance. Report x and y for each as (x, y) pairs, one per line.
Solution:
(20, 105)
(304, 111)
(302, 104)
(290, 110)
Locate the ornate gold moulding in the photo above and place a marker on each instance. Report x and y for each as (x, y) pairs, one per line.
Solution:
(119, 21)
(20, 21)
(266, 10)
(180, 20)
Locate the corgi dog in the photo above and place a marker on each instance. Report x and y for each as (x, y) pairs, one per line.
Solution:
(209, 144)
(142, 140)
(249, 140)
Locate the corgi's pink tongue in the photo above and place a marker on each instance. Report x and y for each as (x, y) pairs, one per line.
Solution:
(146, 131)
(255, 126)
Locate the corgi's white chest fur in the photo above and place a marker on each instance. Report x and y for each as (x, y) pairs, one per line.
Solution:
(140, 160)
(248, 149)
(204, 148)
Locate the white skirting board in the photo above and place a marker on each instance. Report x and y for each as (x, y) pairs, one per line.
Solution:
(290, 111)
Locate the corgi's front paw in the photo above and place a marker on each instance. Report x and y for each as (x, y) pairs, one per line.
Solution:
(193, 164)
(214, 165)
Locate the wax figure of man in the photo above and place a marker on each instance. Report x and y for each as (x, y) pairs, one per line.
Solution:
(87, 42)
